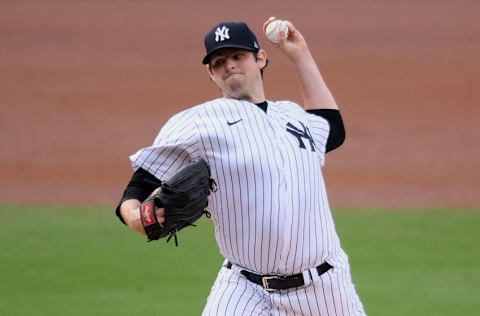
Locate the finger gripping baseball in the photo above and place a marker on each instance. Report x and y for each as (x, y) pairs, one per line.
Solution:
(184, 198)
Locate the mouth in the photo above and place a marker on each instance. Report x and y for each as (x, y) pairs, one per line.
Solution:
(230, 75)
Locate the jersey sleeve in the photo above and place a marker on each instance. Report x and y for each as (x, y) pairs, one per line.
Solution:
(320, 130)
(175, 145)
(336, 136)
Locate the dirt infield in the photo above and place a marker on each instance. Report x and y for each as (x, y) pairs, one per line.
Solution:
(83, 84)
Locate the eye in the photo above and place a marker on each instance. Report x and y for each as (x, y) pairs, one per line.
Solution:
(218, 62)
(238, 56)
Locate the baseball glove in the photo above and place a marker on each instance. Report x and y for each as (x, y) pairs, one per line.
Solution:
(184, 197)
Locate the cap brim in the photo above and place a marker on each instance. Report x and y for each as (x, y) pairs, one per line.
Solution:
(206, 59)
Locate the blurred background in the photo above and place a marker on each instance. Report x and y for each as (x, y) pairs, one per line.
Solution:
(84, 84)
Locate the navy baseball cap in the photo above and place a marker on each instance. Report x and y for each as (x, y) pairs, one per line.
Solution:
(229, 35)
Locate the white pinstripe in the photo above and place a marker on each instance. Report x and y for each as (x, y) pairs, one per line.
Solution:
(271, 211)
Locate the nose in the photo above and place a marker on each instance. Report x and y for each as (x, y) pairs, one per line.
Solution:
(230, 63)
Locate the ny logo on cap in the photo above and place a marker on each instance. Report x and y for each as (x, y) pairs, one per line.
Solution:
(221, 34)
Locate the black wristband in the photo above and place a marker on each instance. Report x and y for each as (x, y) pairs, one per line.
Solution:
(139, 188)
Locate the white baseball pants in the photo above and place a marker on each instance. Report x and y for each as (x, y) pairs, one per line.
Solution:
(331, 294)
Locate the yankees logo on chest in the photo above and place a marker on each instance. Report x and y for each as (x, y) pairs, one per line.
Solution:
(302, 134)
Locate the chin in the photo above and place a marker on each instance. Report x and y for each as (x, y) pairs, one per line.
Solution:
(236, 91)
(241, 96)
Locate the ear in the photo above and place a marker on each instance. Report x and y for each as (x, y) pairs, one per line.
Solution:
(261, 59)
(210, 74)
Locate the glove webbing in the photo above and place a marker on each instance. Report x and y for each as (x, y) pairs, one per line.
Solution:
(173, 233)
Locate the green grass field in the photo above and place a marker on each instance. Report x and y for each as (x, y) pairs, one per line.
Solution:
(73, 261)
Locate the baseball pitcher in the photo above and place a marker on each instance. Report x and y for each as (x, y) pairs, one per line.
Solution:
(255, 166)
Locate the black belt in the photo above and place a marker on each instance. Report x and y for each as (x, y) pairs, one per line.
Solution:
(280, 282)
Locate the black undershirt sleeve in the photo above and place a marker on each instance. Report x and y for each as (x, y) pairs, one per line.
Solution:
(336, 137)
(139, 188)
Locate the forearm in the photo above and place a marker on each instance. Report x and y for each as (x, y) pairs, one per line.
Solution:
(315, 92)
(130, 211)
(138, 189)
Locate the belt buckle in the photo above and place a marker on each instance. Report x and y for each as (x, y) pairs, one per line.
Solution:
(266, 280)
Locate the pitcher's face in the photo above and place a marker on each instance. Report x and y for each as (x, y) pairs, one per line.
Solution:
(236, 72)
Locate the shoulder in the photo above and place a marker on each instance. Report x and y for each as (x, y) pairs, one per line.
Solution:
(221, 107)
(183, 118)
(199, 112)
(191, 112)
(183, 114)
(293, 108)
(285, 105)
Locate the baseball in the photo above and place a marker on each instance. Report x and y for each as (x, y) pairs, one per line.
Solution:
(274, 28)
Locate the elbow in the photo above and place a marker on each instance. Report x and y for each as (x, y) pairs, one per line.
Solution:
(336, 138)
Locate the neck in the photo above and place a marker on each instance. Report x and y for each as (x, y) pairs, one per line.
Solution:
(255, 100)
(252, 97)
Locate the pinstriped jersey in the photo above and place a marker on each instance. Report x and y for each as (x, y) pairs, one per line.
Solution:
(271, 212)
